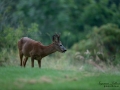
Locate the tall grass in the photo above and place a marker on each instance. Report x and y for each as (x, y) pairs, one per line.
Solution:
(71, 60)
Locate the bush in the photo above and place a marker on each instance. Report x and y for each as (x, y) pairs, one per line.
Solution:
(104, 41)
(10, 36)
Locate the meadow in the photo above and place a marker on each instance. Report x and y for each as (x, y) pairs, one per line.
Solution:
(58, 72)
(17, 78)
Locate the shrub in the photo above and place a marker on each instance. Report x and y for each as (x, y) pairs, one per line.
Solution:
(10, 36)
(102, 40)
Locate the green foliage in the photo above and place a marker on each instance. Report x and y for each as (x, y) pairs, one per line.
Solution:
(40, 19)
(33, 32)
(3, 56)
(74, 17)
(10, 36)
(96, 14)
(104, 40)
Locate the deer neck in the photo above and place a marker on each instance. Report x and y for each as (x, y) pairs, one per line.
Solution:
(49, 49)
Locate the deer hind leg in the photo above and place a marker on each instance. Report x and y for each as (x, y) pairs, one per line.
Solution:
(21, 57)
(25, 60)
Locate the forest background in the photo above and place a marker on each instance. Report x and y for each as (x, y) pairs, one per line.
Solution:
(86, 26)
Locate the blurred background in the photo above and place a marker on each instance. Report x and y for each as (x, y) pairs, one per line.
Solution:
(90, 29)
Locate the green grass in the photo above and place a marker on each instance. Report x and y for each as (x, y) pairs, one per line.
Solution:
(58, 72)
(17, 78)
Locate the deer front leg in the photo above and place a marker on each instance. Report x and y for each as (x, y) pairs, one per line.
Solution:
(32, 61)
(25, 60)
(39, 63)
(21, 57)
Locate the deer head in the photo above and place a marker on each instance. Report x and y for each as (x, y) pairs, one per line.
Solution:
(58, 43)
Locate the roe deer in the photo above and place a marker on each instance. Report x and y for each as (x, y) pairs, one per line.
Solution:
(36, 50)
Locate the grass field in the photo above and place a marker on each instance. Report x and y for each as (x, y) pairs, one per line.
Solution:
(58, 72)
(17, 78)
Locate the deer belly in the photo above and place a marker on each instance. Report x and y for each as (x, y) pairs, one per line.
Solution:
(37, 57)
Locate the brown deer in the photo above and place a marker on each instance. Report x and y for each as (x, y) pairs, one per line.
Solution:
(36, 50)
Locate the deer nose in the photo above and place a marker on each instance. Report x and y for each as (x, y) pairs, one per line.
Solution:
(65, 50)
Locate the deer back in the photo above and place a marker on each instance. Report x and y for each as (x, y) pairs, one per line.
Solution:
(29, 46)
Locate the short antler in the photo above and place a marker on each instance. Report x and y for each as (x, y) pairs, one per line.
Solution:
(56, 37)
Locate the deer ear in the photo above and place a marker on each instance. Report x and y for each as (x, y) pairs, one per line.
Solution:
(53, 38)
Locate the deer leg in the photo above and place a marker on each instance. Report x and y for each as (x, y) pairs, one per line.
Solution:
(39, 63)
(32, 61)
(25, 60)
(21, 56)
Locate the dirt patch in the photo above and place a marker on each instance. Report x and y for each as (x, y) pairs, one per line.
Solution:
(43, 79)
(70, 78)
